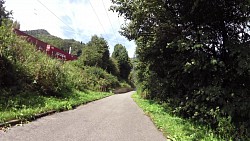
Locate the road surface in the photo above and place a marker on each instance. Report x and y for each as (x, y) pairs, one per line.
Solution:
(115, 118)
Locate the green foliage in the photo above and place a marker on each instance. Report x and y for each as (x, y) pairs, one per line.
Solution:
(96, 53)
(193, 59)
(25, 104)
(113, 67)
(91, 57)
(173, 127)
(31, 82)
(6, 68)
(76, 74)
(91, 78)
(100, 80)
(25, 68)
(76, 77)
(4, 14)
(22, 64)
(121, 55)
(37, 71)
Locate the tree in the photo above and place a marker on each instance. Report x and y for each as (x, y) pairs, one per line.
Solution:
(121, 55)
(4, 14)
(194, 54)
(96, 53)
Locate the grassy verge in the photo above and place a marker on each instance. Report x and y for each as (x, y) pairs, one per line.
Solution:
(26, 105)
(174, 128)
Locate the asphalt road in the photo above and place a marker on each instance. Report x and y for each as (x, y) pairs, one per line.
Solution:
(115, 118)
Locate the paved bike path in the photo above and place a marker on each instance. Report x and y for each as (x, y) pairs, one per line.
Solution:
(115, 118)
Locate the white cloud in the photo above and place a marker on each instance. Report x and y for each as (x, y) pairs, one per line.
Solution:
(80, 20)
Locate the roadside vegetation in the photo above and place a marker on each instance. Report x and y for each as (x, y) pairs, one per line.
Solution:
(194, 55)
(173, 127)
(26, 105)
(31, 82)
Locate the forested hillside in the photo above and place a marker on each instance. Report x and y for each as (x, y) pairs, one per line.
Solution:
(63, 44)
(194, 55)
(37, 32)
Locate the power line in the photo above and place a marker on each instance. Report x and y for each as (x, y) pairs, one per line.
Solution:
(73, 31)
(56, 16)
(97, 17)
(109, 20)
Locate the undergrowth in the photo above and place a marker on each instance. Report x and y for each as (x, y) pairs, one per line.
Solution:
(25, 105)
(173, 127)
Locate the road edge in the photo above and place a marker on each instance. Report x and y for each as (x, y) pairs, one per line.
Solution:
(43, 114)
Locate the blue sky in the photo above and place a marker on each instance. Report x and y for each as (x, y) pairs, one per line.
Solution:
(77, 19)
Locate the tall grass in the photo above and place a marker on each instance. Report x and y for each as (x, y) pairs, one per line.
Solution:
(25, 105)
(173, 127)
(32, 82)
(33, 69)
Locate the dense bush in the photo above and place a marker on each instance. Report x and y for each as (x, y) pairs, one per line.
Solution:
(96, 53)
(24, 67)
(7, 69)
(113, 67)
(96, 78)
(100, 80)
(195, 56)
(76, 77)
(31, 82)
(120, 54)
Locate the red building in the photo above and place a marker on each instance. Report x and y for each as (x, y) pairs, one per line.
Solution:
(47, 48)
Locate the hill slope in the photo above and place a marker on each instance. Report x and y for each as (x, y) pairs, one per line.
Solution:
(63, 44)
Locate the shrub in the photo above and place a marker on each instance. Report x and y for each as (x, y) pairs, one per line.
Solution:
(27, 68)
(33, 70)
(100, 79)
(76, 77)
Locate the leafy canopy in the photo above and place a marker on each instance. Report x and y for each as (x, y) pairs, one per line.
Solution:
(4, 14)
(121, 55)
(194, 54)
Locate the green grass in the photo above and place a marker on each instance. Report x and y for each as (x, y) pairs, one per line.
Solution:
(26, 105)
(173, 127)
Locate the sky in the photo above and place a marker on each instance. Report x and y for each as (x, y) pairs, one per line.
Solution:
(71, 19)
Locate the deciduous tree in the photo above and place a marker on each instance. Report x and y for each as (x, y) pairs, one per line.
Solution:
(194, 54)
(3, 12)
(121, 55)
